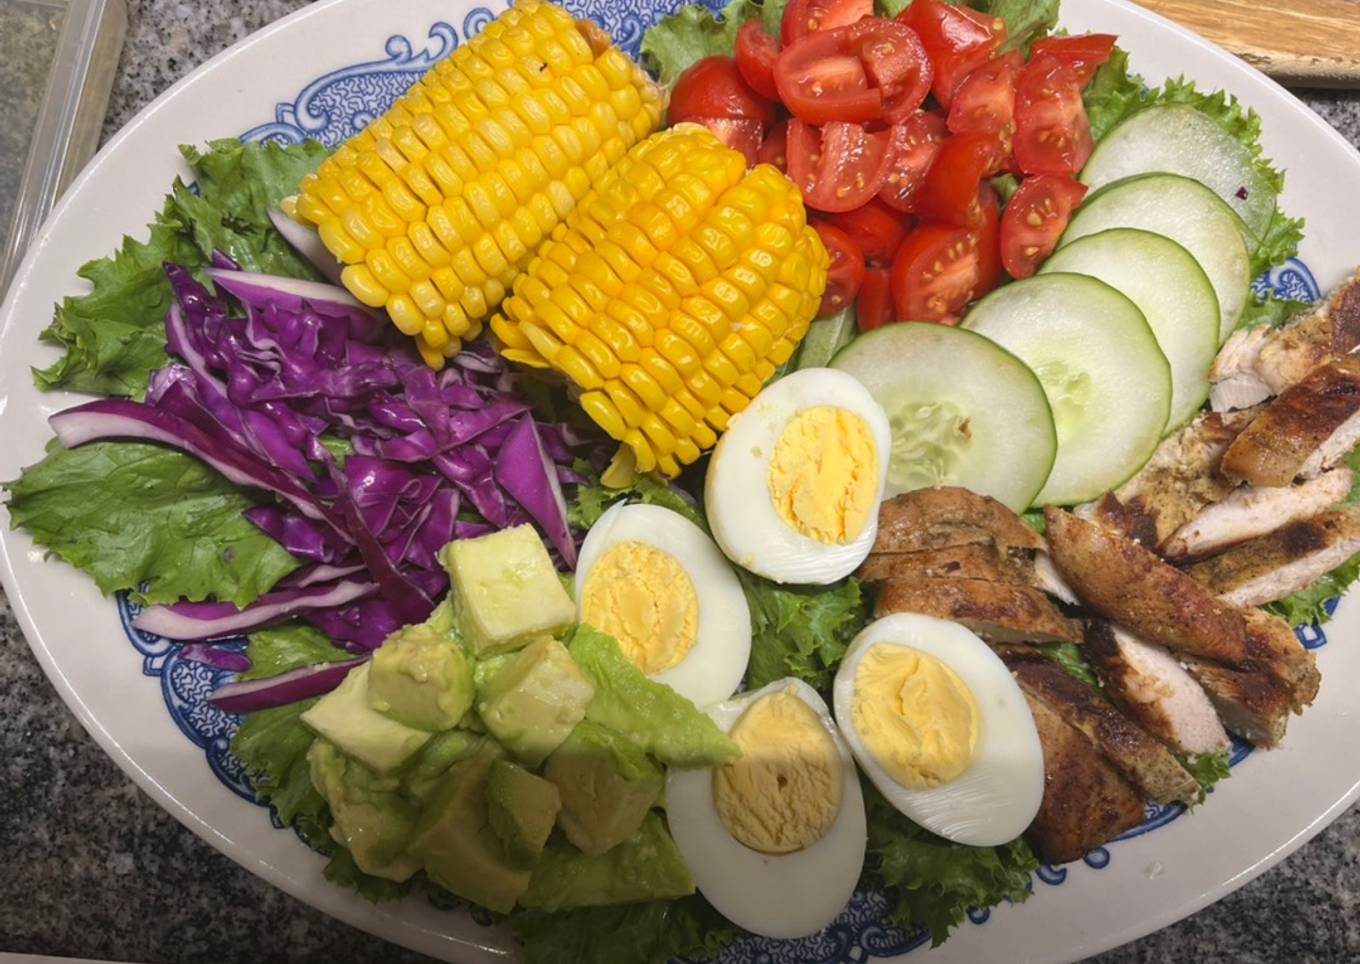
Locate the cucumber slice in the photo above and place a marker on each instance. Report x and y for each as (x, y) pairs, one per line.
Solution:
(1179, 139)
(825, 337)
(1188, 213)
(1107, 381)
(963, 410)
(1172, 292)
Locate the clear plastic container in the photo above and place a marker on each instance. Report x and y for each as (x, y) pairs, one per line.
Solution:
(57, 63)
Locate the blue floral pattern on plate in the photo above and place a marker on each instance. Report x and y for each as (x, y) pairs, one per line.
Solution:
(337, 105)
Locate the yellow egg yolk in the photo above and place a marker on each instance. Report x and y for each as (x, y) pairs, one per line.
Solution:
(915, 716)
(643, 598)
(784, 792)
(824, 474)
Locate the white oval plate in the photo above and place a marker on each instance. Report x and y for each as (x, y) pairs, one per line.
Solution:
(279, 83)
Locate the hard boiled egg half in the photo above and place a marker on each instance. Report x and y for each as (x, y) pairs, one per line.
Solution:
(656, 582)
(794, 484)
(775, 840)
(940, 726)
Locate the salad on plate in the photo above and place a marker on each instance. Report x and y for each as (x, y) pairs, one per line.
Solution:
(842, 451)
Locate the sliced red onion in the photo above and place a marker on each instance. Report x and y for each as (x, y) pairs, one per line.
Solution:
(215, 620)
(319, 573)
(307, 243)
(291, 293)
(290, 687)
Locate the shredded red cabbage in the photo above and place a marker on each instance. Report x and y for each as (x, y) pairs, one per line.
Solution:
(297, 684)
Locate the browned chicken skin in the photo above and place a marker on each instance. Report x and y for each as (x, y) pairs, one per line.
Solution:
(996, 611)
(1251, 703)
(975, 560)
(948, 516)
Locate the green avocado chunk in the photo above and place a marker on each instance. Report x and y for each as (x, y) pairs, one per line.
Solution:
(423, 772)
(505, 590)
(651, 714)
(607, 784)
(532, 701)
(344, 717)
(523, 808)
(371, 820)
(455, 841)
(422, 678)
(646, 866)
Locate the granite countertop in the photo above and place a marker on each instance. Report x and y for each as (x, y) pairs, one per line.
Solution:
(79, 840)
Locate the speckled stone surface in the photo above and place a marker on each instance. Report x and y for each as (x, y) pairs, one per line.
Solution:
(78, 841)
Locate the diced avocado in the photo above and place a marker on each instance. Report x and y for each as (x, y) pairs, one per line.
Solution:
(441, 752)
(505, 590)
(454, 839)
(344, 717)
(651, 714)
(646, 866)
(607, 784)
(532, 701)
(484, 669)
(422, 678)
(523, 808)
(371, 820)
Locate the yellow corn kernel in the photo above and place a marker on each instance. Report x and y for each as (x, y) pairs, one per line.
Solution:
(405, 315)
(603, 413)
(363, 285)
(598, 354)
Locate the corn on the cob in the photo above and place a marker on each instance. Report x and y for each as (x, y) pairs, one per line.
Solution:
(436, 206)
(670, 294)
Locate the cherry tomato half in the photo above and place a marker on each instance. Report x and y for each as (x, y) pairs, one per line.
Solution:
(822, 79)
(846, 272)
(957, 40)
(874, 303)
(714, 88)
(756, 53)
(802, 17)
(940, 268)
(1034, 219)
(895, 62)
(950, 190)
(740, 134)
(915, 142)
(775, 150)
(1052, 132)
(985, 101)
(1083, 52)
(876, 228)
(839, 167)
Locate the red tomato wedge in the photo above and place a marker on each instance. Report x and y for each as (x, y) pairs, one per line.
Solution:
(876, 228)
(1082, 52)
(839, 167)
(802, 17)
(756, 53)
(985, 101)
(915, 142)
(949, 192)
(957, 40)
(846, 272)
(1035, 218)
(822, 79)
(895, 62)
(940, 268)
(874, 303)
(775, 150)
(1052, 132)
(739, 134)
(714, 88)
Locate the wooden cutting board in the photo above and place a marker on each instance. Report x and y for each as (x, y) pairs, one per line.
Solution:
(1314, 43)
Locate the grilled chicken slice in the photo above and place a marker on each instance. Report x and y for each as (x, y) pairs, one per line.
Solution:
(975, 560)
(1259, 362)
(1251, 703)
(950, 516)
(1086, 802)
(1304, 431)
(1274, 645)
(1250, 511)
(1050, 580)
(1152, 687)
(1140, 757)
(1177, 483)
(1283, 562)
(997, 611)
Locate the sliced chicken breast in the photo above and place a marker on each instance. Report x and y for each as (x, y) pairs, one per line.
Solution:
(1140, 757)
(1050, 580)
(949, 516)
(1305, 430)
(998, 612)
(1287, 560)
(1251, 511)
(1151, 686)
(1233, 379)
(1272, 643)
(969, 561)
(1086, 802)
(1251, 703)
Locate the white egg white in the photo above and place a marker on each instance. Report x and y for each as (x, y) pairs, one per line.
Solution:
(997, 797)
(736, 490)
(775, 895)
(713, 668)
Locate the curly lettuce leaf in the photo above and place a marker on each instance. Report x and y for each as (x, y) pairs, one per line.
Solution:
(589, 502)
(1071, 658)
(1207, 768)
(1026, 20)
(1270, 311)
(114, 335)
(931, 882)
(273, 744)
(134, 515)
(694, 32)
(649, 933)
(800, 631)
(288, 646)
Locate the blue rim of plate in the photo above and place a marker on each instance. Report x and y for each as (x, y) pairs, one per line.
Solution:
(330, 109)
